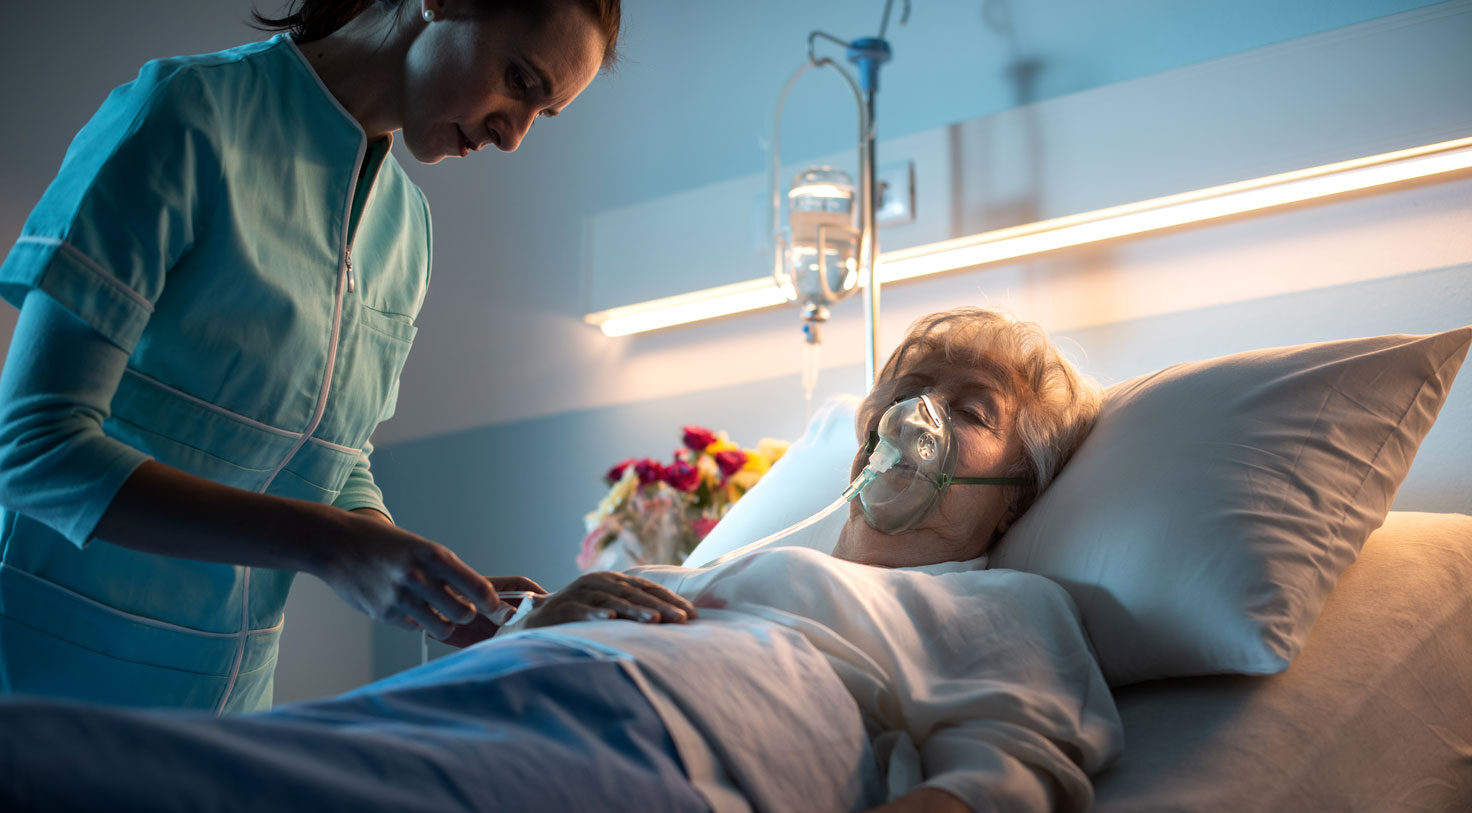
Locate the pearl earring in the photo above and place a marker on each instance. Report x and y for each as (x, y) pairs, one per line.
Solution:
(429, 15)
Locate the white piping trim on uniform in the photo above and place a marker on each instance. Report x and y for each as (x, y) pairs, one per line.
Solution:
(331, 346)
(213, 407)
(93, 266)
(331, 357)
(335, 447)
(140, 619)
(239, 650)
(265, 427)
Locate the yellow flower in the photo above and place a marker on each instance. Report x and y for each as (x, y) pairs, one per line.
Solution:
(722, 443)
(740, 483)
(757, 462)
(709, 471)
(621, 491)
(772, 449)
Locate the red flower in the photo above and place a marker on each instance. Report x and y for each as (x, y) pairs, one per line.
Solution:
(650, 471)
(698, 437)
(617, 472)
(730, 461)
(682, 476)
(702, 526)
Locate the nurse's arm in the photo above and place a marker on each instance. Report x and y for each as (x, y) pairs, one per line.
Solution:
(390, 574)
(59, 468)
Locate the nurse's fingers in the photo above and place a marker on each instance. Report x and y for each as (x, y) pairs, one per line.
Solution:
(463, 578)
(505, 584)
(430, 621)
(439, 596)
(402, 622)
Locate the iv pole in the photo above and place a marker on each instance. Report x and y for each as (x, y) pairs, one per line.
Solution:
(868, 54)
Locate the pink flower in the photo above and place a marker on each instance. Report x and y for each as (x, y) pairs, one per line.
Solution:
(650, 471)
(730, 461)
(617, 472)
(702, 526)
(591, 547)
(682, 476)
(698, 437)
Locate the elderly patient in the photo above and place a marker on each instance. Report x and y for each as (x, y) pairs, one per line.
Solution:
(898, 673)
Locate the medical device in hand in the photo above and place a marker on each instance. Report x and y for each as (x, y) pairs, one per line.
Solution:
(526, 601)
(912, 460)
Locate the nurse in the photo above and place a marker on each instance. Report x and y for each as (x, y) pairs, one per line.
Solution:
(217, 294)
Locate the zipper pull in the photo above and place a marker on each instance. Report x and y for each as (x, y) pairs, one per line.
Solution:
(352, 283)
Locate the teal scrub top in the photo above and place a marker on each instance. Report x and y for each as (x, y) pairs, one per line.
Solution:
(225, 222)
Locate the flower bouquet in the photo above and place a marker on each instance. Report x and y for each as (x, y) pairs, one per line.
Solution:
(656, 513)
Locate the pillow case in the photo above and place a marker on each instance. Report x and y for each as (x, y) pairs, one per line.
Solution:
(807, 479)
(1208, 514)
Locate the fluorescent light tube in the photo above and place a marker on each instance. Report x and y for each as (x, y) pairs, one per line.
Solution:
(1063, 232)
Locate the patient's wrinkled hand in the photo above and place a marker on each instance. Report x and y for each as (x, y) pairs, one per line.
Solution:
(606, 594)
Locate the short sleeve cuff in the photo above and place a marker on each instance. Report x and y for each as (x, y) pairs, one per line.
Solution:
(80, 526)
(78, 283)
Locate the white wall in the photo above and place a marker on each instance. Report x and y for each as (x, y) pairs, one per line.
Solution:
(501, 336)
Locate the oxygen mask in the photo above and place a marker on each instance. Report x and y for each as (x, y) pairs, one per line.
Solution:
(912, 460)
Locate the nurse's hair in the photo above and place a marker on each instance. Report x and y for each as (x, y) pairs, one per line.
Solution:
(310, 20)
(1056, 404)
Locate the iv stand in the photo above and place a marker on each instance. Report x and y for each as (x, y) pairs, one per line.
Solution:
(868, 54)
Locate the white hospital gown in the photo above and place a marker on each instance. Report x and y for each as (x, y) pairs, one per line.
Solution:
(978, 682)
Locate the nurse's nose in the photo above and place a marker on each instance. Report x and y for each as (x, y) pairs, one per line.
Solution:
(517, 125)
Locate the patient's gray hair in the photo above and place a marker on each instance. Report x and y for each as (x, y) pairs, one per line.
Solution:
(1056, 404)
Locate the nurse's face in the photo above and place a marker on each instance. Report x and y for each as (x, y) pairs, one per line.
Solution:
(969, 518)
(476, 78)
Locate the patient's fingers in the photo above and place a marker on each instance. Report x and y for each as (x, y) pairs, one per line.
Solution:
(620, 592)
(566, 612)
(623, 608)
(669, 604)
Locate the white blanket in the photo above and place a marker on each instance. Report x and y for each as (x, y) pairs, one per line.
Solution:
(978, 682)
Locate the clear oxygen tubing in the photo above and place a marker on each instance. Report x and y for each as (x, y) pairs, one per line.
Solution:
(884, 456)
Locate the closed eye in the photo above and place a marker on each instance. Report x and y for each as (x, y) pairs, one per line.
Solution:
(517, 80)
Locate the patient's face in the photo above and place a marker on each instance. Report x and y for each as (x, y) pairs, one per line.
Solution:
(970, 517)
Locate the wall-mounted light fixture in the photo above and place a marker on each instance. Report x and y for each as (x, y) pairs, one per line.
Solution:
(1063, 232)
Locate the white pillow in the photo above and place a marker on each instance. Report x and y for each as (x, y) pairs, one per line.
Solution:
(808, 478)
(1212, 508)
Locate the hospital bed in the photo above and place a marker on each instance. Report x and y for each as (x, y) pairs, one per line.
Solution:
(1374, 714)
(1373, 711)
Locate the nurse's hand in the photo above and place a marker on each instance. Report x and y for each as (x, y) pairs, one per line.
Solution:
(401, 578)
(482, 628)
(606, 594)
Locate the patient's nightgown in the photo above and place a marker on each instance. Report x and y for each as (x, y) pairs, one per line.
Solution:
(979, 682)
